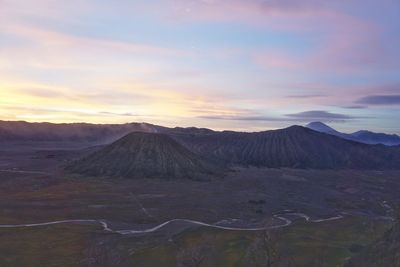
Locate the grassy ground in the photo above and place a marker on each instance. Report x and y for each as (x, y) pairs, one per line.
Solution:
(27, 198)
(59, 245)
(303, 244)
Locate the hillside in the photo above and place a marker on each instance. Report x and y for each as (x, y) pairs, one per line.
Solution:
(294, 147)
(143, 155)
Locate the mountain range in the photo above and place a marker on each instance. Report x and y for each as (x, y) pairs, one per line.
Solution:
(176, 151)
(361, 136)
(69, 132)
(187, 153)
(106, 133)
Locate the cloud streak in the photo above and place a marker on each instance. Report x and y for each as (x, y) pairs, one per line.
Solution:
(320, 115)
(240, 118)
(305, 116)
(306, 96)
(47, 37)
(380, 100)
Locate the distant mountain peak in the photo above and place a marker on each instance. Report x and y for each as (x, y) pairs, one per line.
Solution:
(321, 127)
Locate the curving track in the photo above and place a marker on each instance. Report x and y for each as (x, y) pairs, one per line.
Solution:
(103, 223)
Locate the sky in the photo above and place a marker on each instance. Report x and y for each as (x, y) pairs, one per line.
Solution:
(243, 65)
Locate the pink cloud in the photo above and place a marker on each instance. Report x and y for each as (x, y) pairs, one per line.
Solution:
(343, 42)
(254, 12)
(55, 38)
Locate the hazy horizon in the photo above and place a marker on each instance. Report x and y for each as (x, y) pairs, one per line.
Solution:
(189, 126)
(224, 65)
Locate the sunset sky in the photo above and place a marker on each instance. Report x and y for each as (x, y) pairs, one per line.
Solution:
(221, 64)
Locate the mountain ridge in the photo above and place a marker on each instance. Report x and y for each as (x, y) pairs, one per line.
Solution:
(105, 133)
(292, 147)
(76, 132)
(362, 136)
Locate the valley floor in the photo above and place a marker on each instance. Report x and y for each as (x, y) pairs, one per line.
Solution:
(313, 217)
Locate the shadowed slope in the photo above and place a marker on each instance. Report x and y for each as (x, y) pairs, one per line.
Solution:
(295, 146)
(143, 155)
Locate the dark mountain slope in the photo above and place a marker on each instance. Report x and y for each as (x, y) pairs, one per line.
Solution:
(143, 155)
(323, 128)
(295, 146)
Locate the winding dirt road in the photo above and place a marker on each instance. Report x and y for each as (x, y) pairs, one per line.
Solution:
(103, 223)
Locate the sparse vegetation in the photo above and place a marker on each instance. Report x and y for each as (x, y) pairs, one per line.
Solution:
(385, 251)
